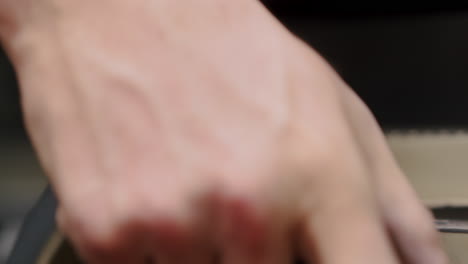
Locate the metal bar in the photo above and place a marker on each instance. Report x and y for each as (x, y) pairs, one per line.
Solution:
(452, 226)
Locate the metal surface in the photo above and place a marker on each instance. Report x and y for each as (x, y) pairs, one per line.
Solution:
(452, 226)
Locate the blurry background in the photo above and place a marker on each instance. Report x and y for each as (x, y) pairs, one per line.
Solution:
(410, 66)
(21, 180)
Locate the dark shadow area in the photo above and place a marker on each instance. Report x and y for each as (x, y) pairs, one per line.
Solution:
(456, 213)
(410, 68)
(11, 126)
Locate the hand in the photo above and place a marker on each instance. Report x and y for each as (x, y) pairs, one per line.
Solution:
(203, 132)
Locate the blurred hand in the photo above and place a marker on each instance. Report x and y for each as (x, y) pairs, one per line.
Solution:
(204, 132)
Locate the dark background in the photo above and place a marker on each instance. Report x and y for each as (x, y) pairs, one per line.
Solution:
(10, 121)
(410, 65)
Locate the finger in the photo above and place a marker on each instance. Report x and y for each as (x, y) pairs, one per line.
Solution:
(275, 251)
(251, 236)
(195, 256)
(120, 251)
(345, 227)
(96, 245)
(409, 222)
(175, 243)
(350, 236)
(182, 239)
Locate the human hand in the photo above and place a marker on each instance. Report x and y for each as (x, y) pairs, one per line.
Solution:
(206, 133)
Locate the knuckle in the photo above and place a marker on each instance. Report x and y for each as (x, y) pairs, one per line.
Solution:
(171, 233)
(95, 233)
(98, 246)
(422, 227)
(244, 220)
(94, 242)
(168, 220)
(414, 224)
(429, 236)
(314, 153)
(101, 243)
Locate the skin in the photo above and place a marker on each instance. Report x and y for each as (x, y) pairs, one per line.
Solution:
(204, 132)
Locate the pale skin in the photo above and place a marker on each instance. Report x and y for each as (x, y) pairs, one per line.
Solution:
(204, 132)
